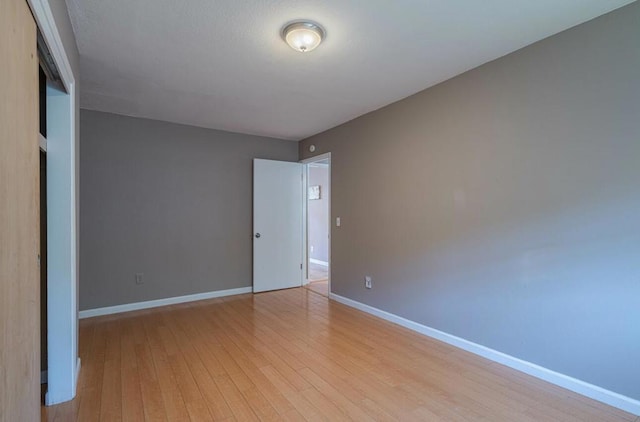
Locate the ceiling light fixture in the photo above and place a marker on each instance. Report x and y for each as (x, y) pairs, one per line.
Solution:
(303, 36)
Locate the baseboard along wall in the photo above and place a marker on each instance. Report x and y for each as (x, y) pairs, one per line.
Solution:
(108, 310)
(581, 387)
(317, 261)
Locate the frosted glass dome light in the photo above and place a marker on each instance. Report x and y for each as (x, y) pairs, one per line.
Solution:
(303, 36)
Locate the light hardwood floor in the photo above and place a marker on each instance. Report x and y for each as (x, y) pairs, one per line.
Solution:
(320, 286)
(318, 272)
(295, 355)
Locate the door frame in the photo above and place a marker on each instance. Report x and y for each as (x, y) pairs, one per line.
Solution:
(305, 218)
(62, 230)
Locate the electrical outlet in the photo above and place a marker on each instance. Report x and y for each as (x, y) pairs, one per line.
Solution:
(367, 281)
(139, 278)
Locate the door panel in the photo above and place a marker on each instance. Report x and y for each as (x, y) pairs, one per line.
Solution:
(19, 215)
(277, 225)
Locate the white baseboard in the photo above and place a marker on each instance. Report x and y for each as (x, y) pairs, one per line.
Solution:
(317, 261)
(75, 385)
(589, 390)
(160, 302)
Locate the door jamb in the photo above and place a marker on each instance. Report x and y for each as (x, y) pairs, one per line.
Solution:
(62, 314)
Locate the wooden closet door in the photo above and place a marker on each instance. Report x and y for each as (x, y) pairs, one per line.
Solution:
(19, 215)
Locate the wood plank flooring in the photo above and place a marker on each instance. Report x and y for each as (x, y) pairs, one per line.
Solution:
(295, 355)
(320, 286)
(318, 272)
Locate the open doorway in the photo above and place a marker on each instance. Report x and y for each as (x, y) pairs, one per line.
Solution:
(318, 218)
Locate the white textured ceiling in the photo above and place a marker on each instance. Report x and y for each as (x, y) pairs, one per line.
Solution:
(222, 64)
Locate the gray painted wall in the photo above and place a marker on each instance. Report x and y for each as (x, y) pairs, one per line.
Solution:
(502, 206)
(173, 202)
(318, 210)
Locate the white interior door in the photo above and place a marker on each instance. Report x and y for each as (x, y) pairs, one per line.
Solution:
(277, 225)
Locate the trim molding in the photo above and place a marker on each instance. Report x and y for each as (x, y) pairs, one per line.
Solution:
(315, 158)
(161, 302)
(47, 25)
(589, 390)
(75, 384)
(63, 306)
(317, 261)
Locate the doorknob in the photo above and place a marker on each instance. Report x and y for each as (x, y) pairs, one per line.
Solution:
(257, 235)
